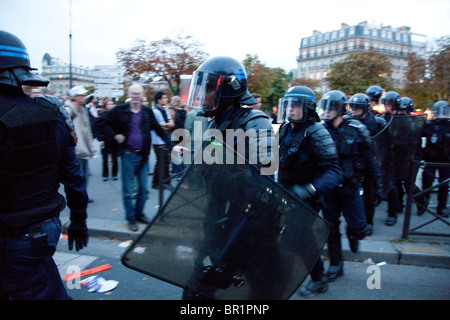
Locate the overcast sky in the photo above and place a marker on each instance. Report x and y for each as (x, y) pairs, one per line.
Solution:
(270, 29)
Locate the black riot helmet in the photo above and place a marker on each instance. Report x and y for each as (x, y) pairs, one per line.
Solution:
(374, 93)
(217, 78)
(359, 101)
(333, 104)
(391, 99)
(407, 104)
(441, 110)
(298, 105)
(15, 68)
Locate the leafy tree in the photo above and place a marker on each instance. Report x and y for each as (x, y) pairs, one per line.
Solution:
(279, 87)
(360, 70)
(167, 58)
(417, 83)
(310, 83)
(439, 68)
(270, 83)
(259, 77)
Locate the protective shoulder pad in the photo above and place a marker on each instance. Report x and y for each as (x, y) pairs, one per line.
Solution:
(49, 101)
(362, 130)
(251, 118)
(324, 146)
(55, 103)
(252, 114)
(380, 121)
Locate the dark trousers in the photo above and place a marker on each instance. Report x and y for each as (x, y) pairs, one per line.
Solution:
(368, 196)
(27, 269)
(162, 159)
(347, 201)
(106, 151)
(427, 180)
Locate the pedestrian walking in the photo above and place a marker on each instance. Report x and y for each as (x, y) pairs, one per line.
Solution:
(80, 117)
(129, 125)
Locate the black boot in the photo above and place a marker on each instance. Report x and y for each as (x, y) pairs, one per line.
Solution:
(335, 272)
(314, 287)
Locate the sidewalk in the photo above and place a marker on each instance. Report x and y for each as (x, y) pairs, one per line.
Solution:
(106, 219)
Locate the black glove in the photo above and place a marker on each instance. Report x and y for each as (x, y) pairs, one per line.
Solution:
(78, 233)
(379, 195)
(304, 192)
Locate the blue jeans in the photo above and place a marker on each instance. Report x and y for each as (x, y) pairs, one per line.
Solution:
(84, 168)
(27, 269)
(134, 168)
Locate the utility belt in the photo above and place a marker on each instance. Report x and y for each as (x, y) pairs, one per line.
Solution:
(35, 230)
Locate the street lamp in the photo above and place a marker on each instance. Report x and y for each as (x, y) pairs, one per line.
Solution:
(70, 45)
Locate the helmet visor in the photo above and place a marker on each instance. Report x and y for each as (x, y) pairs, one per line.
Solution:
(330, 109)
(441, 112)
(294, 109)
(390, 102)
(204, 92)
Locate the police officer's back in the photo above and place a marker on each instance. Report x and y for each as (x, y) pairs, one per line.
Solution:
(36, 154)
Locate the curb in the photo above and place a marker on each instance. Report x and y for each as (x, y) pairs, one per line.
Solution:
(400, 252)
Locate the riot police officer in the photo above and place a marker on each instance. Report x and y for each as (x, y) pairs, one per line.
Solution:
(374, 93)
(437, 149)
(36, 155)
(354, 146)
(218, 88)
(308, 161)
(359, 105)
(392, 102)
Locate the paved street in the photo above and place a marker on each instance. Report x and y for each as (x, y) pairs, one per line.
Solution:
(397, 282)
(407, 274)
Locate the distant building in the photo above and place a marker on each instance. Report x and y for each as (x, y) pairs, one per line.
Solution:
(58, 73)
(109, 81)
(318, 52)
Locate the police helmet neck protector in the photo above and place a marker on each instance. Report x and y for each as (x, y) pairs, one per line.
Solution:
(298, 105)
(217, 79)
(359, 101)
(15, 68)
(333, 105)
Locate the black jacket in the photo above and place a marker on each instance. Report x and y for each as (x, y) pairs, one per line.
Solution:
(118, 121)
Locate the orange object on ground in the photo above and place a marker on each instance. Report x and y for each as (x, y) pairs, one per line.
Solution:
(86, 272)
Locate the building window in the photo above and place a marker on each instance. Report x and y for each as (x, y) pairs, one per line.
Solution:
(350, 45)
(366, 31)
(334, 35)
(351, 31)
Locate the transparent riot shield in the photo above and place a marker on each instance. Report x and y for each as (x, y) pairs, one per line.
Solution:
(227, 232)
